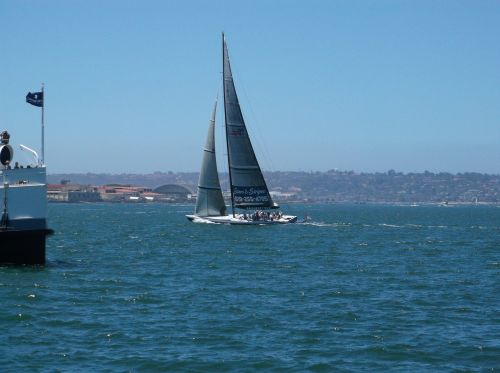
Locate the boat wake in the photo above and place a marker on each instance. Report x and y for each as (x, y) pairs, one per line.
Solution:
(202, 221)
(323, 224)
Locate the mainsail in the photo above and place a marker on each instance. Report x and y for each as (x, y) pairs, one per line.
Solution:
(248, 187)
(210, 201)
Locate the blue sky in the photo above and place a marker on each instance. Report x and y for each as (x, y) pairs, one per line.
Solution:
(354, 85)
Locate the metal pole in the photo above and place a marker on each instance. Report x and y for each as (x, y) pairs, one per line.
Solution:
(43, 128)
(224, 50)
(5, 214)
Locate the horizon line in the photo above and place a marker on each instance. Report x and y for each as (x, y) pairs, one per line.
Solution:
(390, 171)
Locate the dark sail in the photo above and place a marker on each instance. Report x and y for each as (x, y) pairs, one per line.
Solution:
(209, 201)
(248, 187)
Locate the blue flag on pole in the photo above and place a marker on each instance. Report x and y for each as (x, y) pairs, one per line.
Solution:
(35, 98)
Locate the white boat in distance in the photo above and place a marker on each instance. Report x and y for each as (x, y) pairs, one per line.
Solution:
(248, 187)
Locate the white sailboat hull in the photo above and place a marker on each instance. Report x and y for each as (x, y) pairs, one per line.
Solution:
(239, 219)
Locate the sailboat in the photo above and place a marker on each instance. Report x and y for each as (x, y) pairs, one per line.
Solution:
(247, 184)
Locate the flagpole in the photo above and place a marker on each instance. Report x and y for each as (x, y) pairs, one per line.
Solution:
(43, 128)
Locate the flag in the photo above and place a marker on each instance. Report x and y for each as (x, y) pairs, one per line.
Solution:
(35, 98)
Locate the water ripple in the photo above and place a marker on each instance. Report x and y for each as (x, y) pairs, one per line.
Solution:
(359, 288)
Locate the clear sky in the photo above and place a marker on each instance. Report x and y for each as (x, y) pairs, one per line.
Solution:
(354, 85)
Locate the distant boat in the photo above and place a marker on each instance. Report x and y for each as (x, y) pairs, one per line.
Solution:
(247, 184)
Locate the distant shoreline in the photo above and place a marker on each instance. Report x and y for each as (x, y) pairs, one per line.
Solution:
(329, 186)
(395, 204)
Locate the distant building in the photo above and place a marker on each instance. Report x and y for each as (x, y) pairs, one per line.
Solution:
(66, 192)
(282, 196)
(122, 193)
(72, 193)
(173, 193)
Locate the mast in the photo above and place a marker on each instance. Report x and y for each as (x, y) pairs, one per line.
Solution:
(43, 128)
(225, 122)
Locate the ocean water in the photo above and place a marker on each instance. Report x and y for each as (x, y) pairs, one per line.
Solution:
(136, 287)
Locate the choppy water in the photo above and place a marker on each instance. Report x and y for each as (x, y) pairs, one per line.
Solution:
(361, 288)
